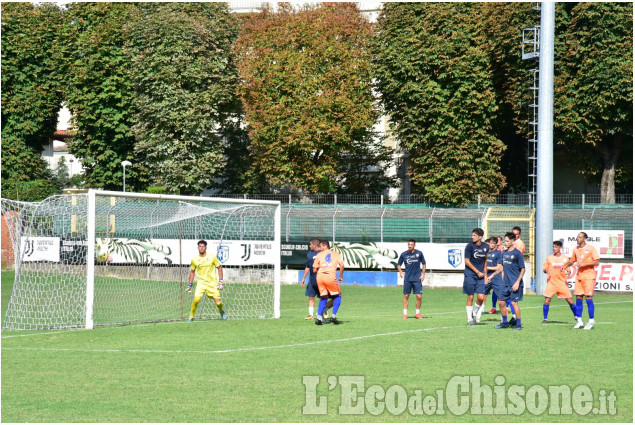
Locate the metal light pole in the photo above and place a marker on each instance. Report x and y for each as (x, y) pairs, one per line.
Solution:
(125, 164)
(544, 199)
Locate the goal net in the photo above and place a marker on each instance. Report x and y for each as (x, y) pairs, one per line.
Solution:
(101, 258)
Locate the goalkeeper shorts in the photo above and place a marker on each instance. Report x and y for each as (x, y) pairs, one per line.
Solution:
(210, 290)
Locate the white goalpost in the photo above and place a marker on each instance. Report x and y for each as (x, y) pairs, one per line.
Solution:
(103, 258)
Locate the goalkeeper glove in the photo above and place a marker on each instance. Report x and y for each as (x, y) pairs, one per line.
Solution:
(220, 284)
(189, 287)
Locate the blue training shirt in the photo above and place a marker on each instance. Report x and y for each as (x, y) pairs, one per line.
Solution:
(495, 258)
(477, 254)
(513, 261)
(413, 261)
(310, 258)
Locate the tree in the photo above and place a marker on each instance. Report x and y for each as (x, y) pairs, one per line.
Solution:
(186, 90)
(593, 93)
(503, 27)
(307, 94)
(238, 175)
(100, 94)
(434, 73)
(592, 87)
(31, 87)
(61, 177)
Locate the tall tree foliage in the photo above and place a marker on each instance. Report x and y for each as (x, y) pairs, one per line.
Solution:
(594, 93)
(434, 72)
(186, 90)
(503, 27)
(308, 99)
(31, 86)
(100, 94)
(592, 88)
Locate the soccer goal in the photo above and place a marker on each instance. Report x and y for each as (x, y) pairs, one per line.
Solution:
(102, 258)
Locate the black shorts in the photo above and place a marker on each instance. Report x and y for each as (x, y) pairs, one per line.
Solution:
(312, 288)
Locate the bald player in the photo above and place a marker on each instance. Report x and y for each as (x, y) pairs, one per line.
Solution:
(587, 257)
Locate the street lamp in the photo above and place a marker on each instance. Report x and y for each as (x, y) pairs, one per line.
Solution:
(125, 164)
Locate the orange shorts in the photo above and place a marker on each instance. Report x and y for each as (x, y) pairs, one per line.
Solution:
(560, 288)
(327, 285)
(584, 287)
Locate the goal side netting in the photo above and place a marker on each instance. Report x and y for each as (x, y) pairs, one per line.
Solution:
(102, 258)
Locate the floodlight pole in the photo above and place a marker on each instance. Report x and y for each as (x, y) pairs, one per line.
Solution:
(544, 192)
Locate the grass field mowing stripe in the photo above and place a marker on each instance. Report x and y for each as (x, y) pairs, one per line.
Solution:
(355, 338)
(447, 313)
(303, 344)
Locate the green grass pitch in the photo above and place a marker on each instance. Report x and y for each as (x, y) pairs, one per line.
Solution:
(252, 370)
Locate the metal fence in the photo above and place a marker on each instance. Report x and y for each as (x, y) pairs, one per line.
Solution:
(398, 223)
(522, 199)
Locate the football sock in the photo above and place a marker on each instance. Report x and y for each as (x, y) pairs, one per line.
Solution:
(518, 323)
(545, 311)
(194, 305)
(321, 306)
(504, 318)
(336, 304)
(591, 306)
(469, 309)
(479, 311)
(494, 300)
(417, 311)
(572, 307)
(311, 309)
(405, 311)
(579, 308)
(220, 307)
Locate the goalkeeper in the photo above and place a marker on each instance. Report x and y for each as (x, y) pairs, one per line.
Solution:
(205, 266)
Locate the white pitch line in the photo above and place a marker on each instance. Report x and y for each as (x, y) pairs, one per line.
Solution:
(569, 324)
(43, 333)
(233, 350)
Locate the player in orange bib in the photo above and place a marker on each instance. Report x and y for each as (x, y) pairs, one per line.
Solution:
(555, 268)
(587, 258)
(518, 243)
(325, 265)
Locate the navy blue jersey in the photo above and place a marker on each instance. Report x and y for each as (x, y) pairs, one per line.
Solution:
(513, 261)
(494, 258)
(413, 262)
(477, 254)
(310, 258)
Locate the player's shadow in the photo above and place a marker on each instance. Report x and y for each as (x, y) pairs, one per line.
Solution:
(491, 318)
(556, 322)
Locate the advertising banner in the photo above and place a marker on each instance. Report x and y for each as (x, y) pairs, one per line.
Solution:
(612, 277)
(384, 256)
(381, 255)
(173, 251)
(609, 243)
(40, 249)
